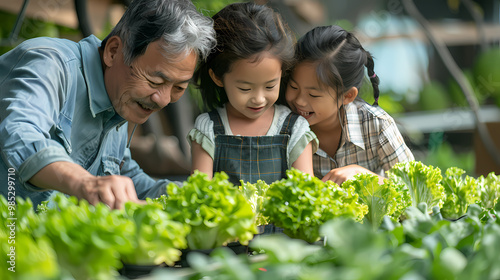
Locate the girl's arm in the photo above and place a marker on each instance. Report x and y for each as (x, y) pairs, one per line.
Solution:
(304, 162)
(202, 161)
(341, 174)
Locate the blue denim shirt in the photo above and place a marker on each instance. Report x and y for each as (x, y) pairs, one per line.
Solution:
(54, 107)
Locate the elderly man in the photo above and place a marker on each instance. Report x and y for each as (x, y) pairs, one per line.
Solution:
(65, 106)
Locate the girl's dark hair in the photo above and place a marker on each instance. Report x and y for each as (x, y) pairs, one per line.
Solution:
(242, 31)
(341, 59)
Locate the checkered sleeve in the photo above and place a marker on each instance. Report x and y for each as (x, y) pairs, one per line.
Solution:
(392, 147)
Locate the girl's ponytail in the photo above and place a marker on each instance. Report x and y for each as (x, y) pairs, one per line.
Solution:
(373, 77)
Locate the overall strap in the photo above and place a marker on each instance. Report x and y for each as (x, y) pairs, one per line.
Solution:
(289, 123)
(218, 126)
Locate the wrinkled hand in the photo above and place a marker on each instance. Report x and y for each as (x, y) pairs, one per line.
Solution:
(113, 190)
(341, 174)
(70, 178)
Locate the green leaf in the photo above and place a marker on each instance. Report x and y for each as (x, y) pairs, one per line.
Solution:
(301, 203)
(460, 193)
(489, 189)
(386, 199)
(158, 239)
(217, 211)
(422, 182)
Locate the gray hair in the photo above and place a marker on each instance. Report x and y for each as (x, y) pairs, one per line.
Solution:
(177, 23)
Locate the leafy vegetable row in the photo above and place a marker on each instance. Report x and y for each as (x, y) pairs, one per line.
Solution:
(301, 204)
(423, 246)
(75, 239)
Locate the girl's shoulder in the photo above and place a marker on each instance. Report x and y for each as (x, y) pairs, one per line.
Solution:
(203, 123)
(202, 117)
(282, 112)
(366, 112)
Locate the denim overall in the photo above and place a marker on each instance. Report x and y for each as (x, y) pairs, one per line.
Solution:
(251, 158)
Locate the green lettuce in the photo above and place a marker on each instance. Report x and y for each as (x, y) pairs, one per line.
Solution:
(489, 188)
(423, 182)
(157, 237)
(256, 194)
(88, 240)
(34, 257)
(217, 211)
(460, 193)
(21, 210)
(387, 199)
(301, 203)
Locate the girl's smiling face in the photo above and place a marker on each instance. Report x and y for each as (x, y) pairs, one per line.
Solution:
(252, 85)
(307, 96)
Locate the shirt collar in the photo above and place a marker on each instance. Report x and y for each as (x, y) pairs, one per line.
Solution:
(94, 77)
(353, 125)
(321, 153)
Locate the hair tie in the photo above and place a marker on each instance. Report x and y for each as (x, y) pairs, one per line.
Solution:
(373, 76)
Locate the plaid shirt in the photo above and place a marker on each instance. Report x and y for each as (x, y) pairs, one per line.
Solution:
(370, 138)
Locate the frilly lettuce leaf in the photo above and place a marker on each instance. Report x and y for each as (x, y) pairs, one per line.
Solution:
(460, 193)
(34, 256)
(217, 211)
(490, 190)
(301, 203)
(423, 182)
(255, 194)
(158, 238)
(88, 240)
(387, 199)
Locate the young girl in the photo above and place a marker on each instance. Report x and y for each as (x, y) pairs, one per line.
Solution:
(354, 137)
(246, 134)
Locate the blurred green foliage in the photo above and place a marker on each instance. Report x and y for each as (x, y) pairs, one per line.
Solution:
(389, 101)
(434, 96)
(487, 73)
(211, 7)
(458, 96)
(344, 23)
(30, 28)
(443, 155)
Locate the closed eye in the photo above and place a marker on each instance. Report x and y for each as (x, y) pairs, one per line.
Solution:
(244, 89)
(154, 84)
(292, 86)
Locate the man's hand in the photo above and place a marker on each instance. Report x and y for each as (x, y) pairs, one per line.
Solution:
(113, 190)
(72, 179)
(341, 174)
